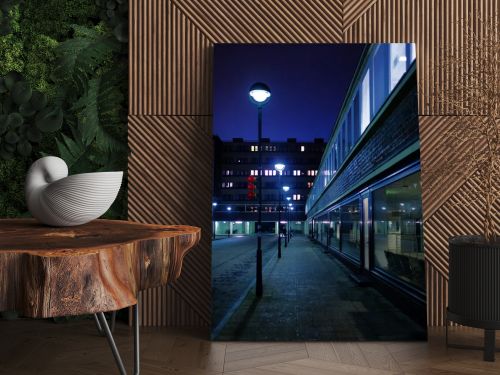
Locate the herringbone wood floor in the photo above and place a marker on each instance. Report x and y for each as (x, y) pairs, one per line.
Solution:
(42, 347)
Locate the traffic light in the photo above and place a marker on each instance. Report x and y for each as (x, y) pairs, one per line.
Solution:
(251, 193)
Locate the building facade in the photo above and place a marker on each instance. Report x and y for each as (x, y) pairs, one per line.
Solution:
(237, 160)
(365, 204)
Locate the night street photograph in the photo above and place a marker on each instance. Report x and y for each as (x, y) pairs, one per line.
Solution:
(317, 227)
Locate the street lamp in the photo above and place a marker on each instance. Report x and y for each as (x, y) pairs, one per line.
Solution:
(214, 204)
(288, 219)
(287, 215)
(290, 208)
(279, 167)
(259, 94)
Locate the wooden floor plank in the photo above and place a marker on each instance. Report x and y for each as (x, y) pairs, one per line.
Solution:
(350, 353)
(41, 347)
(322, 350)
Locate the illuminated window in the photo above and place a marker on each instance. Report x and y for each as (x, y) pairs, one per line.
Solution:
(365, 101)
(397, 61)
(302, 148)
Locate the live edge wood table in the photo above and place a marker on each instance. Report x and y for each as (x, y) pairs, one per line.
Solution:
(89, 269)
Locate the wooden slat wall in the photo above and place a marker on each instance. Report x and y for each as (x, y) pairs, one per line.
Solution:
(171, 52)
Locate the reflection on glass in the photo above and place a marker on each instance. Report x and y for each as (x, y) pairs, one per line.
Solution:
(335, 229)
(397, 226)
(350, 228)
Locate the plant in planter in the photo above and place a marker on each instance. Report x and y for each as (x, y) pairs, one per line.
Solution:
(470, 150)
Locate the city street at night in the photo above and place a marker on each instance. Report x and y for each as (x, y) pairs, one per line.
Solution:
(233, 270)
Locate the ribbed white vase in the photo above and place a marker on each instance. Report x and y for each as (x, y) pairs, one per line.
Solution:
(56, 199)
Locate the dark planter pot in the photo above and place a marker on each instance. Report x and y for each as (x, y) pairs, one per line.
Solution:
(474, 286)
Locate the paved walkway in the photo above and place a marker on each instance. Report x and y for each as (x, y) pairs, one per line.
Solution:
(308, 295)
(233, 270)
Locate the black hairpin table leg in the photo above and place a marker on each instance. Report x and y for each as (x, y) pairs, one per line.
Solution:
(113, 323)
(102, 325)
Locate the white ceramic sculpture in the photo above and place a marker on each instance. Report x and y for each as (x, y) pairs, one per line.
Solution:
(56, 199)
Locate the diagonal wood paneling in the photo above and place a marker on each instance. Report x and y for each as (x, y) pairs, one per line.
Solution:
(264, 21)
(171, 47)
(171, 183)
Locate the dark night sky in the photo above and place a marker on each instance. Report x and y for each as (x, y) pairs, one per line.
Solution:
(308, 85)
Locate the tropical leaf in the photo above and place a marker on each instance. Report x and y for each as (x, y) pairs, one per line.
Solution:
(80, 56)
(98, 112)
(74, 152)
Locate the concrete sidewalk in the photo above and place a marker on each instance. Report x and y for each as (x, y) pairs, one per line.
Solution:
(308, 295)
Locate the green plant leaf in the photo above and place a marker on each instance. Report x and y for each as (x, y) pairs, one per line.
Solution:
(80, 56)
(3, 88)
(49, 119)
(38, 100)
(3, 124)
(4, 154)
(74, 152)
(120, 31)
(11, 137)
(24, 148)
(33, 134)
(8, 105)
(14, 120)
(11, 78)
(27, 109)
(98, 114)
(21, 92)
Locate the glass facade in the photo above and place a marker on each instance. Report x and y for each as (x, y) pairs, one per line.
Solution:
(384, 67)
(397, 245)
(350, 218)
(397, 230)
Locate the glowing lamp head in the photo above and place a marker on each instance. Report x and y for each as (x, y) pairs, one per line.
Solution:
(259, 93)
(286, 188)
(229, 208)
(214, 204)
(289, 205)
(288, 199)
(279, 167)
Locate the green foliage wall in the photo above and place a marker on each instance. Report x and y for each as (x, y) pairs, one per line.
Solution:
(63, 91)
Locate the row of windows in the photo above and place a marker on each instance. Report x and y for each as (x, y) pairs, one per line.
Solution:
(273, 172)
(255, 208)
(289, 160)
(385, 65)
(266, 185)
(267, 197)
(255, 148)
(396, 245)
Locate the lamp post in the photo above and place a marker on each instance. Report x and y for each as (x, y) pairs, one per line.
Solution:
(228, 208)
(279, 167)
(286, 225)
(214, 204)
(289, 225)
(290, 208)
(285, 189)
(259, 94)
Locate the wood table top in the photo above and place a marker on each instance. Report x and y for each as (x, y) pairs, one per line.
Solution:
(29, 236)
(99, 266)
